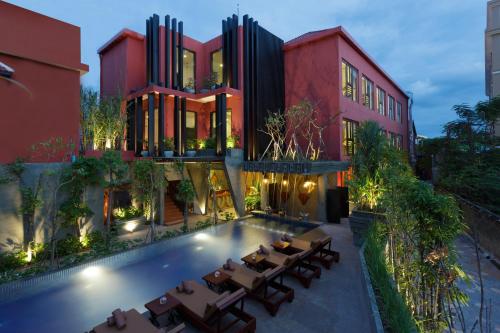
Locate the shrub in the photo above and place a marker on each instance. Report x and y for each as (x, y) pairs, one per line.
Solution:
(69, 245)
(395, 315)
(11, 260)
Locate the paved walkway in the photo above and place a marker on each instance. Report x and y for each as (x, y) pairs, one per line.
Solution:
(336, 302)
(491, 285)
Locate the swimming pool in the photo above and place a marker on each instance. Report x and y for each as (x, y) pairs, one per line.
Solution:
(83, 298)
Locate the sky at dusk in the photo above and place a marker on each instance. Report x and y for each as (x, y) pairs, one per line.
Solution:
(435, 49)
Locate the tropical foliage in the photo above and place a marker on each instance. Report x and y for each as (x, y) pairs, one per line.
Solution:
(102, 120)
(468, 156)
(416, 235)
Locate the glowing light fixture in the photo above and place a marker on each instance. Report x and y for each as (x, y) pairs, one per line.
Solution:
(130, 226)
(29, 255)
(92, 272)
(201, 236)
(285, 182)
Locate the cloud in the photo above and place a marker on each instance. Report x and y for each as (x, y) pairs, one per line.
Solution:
(422, 88)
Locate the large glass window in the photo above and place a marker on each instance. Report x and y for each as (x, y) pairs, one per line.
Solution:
(349, 128)
(399, 112)
(367, 92)
(349, 81)
(189, 69)
(380, 101)
(191, 122)
(216, 66)
(213, 124)
(391, 108)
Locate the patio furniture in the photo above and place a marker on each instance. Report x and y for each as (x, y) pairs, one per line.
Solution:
(254, 260)
(296, 265)
(216, 283)
(157, 309)
(262, 286)
(208, 310)
(135, 323)
(321, 242)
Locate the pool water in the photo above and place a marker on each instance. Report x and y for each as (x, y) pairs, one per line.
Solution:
(86, 298)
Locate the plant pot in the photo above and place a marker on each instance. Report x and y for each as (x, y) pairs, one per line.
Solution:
(360, 221)
(189, 90)
(191, 153)
(206, 152)
(204, 90)
(235, 153)
(168, 153)
(144, 153)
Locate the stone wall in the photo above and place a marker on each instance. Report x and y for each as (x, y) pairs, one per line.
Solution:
(486, 223)
(12, 231)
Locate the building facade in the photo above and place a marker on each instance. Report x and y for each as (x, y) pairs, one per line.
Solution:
(230, 83)
(40, 71)
(492, 53)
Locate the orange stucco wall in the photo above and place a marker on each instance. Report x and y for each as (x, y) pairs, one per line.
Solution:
(45, 54)
(313, 72)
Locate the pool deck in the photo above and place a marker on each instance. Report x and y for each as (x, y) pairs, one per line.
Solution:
(336, 302)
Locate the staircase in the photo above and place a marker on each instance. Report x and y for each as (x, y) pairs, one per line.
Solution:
(172, 213)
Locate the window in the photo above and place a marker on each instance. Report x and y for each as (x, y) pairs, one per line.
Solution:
(228, 123)
(399, 112)
(381, 101)
(349, 81)
(216, 65)
(348, 136)
(367, 92)
(391, 108)
(191, 123)
(189, 69)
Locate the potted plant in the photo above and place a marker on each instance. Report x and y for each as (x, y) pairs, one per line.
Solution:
(168, 144)
(366, 186)
(206, 147)
(190, 86)
(209, 83)
(191, 146)
(234, 146)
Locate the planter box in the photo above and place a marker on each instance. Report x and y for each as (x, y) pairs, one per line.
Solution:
(168, 153)
(235, 153)
(206, 152)
(360, 221)
(191, 153)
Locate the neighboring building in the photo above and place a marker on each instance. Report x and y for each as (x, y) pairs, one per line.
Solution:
(492, 52)
(41, 92)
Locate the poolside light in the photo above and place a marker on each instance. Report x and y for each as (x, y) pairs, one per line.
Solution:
(130, 226)
(29, 255)
(201, 236)
(91, 272)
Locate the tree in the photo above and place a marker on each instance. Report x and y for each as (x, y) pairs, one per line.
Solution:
(102, 119)
(185, 191)
(115, 172)
(149, 179)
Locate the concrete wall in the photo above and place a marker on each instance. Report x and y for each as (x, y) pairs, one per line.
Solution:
(11, 221)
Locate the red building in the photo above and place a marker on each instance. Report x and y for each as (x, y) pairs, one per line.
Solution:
(40, 71)
(240, 76)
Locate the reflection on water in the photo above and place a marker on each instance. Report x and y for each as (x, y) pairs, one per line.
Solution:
(89, 296)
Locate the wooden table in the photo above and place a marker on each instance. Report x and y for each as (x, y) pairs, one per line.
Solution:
(156, 309)
(217, 284)
(254, 263)
(280, 245)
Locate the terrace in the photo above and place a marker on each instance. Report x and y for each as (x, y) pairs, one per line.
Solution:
(89, 293)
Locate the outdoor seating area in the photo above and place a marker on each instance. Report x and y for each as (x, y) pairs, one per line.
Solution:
(220, 305)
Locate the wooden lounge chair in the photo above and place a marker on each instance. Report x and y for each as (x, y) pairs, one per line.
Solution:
(136, 323)
(321, 243)
(207, 310)
(262, 286)
(297, 265)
